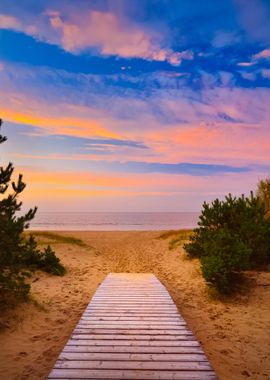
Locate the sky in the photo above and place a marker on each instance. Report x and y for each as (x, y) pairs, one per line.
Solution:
(135, 105)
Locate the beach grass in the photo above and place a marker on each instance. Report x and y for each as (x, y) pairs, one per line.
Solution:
(178, 237)
(56, 238)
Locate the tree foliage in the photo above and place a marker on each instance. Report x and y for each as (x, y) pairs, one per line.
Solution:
(232, 235)
(19, 255)
(263, 192)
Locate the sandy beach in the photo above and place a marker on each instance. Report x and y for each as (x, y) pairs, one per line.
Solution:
(233, 332)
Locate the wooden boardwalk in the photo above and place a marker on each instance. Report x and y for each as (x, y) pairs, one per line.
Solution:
(131, 329)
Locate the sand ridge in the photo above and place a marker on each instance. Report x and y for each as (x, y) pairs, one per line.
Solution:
(234, 334)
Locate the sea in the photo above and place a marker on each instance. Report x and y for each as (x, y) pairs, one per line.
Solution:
(113, 221)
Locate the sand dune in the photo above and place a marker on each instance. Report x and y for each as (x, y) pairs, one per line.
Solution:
(234, 333)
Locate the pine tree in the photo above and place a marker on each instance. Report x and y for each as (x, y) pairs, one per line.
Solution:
(263, 192)
(19, 255)
(232, 235)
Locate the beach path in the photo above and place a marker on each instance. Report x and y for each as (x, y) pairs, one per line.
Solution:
(132, 329)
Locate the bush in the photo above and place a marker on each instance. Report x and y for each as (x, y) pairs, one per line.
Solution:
(226, 255)
(19, 255)
(233, 235)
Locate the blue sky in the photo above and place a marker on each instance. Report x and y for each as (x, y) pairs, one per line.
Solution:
(135, 104)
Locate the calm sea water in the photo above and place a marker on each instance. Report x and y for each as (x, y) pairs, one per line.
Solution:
(113, 221)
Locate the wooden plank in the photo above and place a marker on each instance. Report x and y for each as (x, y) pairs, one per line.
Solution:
(109, 331)
(129, 337)
(135, 294)
(185, 357)
(136, 343)
(124, 327)
(157, 321)
(131, 323)
(131, 374)
(132, 305)
(123, 308)
(133, 315)
(129, 302)
(133, 365)
(133, 312)
(132, 295)
(112, 319)
(134, 349)
(128, 324)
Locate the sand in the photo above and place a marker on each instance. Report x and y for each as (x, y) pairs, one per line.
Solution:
(235, 333)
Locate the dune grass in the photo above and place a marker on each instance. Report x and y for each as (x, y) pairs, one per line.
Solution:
(178, 237)
(56, 238)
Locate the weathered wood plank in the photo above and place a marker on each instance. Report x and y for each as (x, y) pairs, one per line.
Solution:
(134, 313)
(128, 332)
(133, 365)
(130, 374)
(134, 349)
(185, 357)
(162, 318)
(125, 326)
(129, 337)
(137, 343)
(131, 323)
(132, 303)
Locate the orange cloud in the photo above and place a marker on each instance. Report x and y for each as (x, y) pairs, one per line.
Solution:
(71, 125)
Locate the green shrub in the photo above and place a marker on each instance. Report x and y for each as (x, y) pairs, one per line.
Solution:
(232, 235)
(50, 263)
(226, 254)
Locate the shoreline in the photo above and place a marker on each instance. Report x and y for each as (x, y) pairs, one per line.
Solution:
(232, 332)
(104, 230)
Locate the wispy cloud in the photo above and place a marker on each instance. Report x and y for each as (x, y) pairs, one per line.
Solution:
(254, 16)
(246, 64)
(265, 73)
(263, 54)
(225, 38)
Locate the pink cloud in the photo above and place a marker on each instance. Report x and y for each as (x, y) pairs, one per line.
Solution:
(262, 54)
(246, 64)
(113, 36)
(9, 22)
